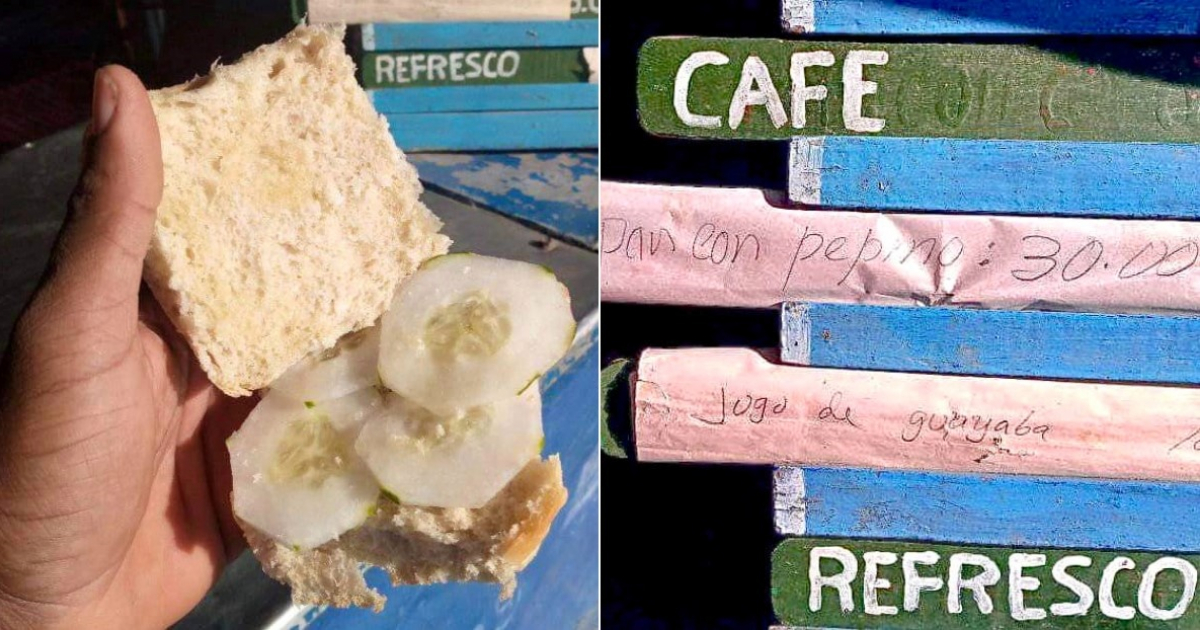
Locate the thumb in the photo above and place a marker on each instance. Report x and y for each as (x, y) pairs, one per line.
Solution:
(97, 262)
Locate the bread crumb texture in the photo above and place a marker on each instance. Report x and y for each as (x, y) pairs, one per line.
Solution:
(288, 215)
(416, 545)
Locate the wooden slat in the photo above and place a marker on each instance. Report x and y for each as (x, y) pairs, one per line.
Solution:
(992, 17)
(741, 89)
(735, 406)
(986, 509)
(516, 185)
(453, 35)
(488, 98)
(1144, 180)
(360, 11)
(992, 343)
(1014, 587)
(496, 131)
(733, 247)
(469, 66)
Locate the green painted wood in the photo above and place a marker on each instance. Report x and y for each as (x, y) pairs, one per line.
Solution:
(512, 66)
(614, 406)
(1117, 602)
(585, 9)
(741, 89)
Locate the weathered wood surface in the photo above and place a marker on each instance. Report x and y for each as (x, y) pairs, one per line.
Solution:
(735, 406)
(453, 35)
(1118, 179)
(732, 247)
(1041, 344)
(555, 192)
(496, 131)
(744, 89)
(360, 11)
(473, 67)
(486, 98)
(986, 509)
(992, 17)
(881, 584)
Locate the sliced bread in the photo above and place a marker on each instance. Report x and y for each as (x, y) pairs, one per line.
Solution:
(288, 216)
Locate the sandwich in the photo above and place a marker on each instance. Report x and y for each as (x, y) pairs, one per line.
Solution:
(399, 423)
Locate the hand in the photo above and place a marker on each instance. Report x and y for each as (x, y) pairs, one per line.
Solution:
(114, 477)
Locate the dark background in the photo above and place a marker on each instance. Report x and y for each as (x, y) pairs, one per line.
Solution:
(683, 545)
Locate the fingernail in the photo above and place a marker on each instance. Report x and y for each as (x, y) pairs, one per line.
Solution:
(104, 101)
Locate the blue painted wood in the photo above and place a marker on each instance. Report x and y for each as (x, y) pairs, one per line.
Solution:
(496, 131)
(476, 35)
(1080, 346)
(998, 177)
(556, 192)
(997, 510)
(560, 588)
(1007, 17)
(478, 98)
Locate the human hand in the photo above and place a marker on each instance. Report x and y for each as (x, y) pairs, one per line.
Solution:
(114, 477)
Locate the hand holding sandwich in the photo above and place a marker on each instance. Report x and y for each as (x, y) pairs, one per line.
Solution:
(114, 480)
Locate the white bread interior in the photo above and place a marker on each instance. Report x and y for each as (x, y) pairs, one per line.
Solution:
(288, 215)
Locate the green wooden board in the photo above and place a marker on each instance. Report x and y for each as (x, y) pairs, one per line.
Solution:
(585, 9)
(742, 89)
(426, 68)
(614, 407)
(1059, 598)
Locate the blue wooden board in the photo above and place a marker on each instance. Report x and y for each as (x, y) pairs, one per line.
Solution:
(477, 35)
(497, 131)
(555, 192)
(998, 176)
(1156, 349)
(560, 588)
(475, 98)
(1007, 17)
(988, 510)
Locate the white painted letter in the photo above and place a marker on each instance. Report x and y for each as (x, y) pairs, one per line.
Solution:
(1146, 588)
(840, 581)
(1019, 583)
(514, 59)
(385, 67)
(872, 583)
(913, 582)
(801, 91)
(854, 88)
(683, 83)
(977, 585)
(754, 72)
(417, 63)
(1108, 606)
(1081, 590)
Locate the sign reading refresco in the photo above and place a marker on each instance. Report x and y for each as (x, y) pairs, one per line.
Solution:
(866, 584)
(427, 68)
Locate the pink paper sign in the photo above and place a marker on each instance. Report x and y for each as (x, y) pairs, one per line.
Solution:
(736, 406)
(730, 247)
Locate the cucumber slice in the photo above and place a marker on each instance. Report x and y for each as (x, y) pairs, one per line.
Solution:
(295, 474)
(456, 461)
(466, 330)
(350, 365)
